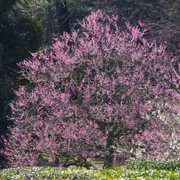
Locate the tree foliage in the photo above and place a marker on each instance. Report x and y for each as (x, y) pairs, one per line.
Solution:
(91, 91)
(161, 16)
(36, 9)
(53, 14)
(4, 6)
(25, 34)
(18, 36)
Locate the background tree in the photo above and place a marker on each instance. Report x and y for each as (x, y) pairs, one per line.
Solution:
(160, 16)
(4, 6)
(53, 14)
(18, 36)
(91, 91)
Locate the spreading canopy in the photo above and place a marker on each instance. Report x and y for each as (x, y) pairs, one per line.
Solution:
(91, 91)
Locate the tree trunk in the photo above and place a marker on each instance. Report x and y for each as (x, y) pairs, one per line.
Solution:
(109, 154)
(62, 14)
(48, 27)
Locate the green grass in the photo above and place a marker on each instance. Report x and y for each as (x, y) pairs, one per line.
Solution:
(140, 170)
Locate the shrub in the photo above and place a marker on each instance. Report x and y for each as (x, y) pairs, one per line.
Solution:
(73, 173)
(47, 173)
(158, 165)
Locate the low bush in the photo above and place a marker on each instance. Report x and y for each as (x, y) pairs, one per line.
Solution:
(134, 171)
(47, 173)
(158, 165)
(109, 174)
(151, 174)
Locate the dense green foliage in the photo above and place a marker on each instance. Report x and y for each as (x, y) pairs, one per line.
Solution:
(5, 5)
(18, 36)
(17, 39)
(158, 165)
(151, 171)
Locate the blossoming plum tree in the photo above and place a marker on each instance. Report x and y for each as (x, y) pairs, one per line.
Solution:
(91, 91)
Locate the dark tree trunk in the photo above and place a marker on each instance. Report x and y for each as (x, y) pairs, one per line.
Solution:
(109, 154)
(48, 28)
(62, 14)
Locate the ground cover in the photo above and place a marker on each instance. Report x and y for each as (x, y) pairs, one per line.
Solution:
(145, 170)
